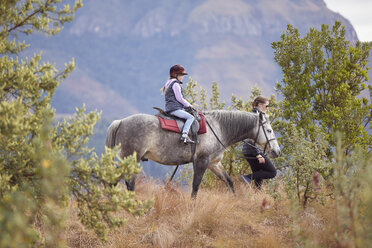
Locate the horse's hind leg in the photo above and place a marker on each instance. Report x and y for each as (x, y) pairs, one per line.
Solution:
(220, 172)
(131, 184)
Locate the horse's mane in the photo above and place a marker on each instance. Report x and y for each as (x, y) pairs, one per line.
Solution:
(233, 121)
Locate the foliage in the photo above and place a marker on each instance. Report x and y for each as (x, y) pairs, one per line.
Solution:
(43, 165)
(352, 188)
(199, 98)
(301, 160)
(350, 201)
(32, 206)
(323, 76)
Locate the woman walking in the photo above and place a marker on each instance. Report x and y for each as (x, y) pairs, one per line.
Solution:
(260, 164)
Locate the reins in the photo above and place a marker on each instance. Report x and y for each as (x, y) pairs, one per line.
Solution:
(209, 125)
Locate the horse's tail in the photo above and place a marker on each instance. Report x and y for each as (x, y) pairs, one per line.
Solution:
(111, 133)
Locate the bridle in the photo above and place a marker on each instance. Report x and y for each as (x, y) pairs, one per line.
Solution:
(261, 124)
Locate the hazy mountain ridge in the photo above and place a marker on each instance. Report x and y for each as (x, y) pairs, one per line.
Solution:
(235, 17)
(123, 49)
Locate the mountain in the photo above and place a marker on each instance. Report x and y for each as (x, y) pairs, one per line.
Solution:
(123, 49)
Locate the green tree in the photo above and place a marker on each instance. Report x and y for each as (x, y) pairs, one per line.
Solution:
(45, 167)
(323, 77)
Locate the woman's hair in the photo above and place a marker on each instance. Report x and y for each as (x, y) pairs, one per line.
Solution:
(259, 99)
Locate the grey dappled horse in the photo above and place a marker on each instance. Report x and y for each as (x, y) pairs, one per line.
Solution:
(142, 133)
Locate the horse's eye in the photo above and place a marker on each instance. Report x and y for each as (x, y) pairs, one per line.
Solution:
(269, 130)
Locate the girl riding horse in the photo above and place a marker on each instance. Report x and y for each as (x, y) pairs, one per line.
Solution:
(175, 102)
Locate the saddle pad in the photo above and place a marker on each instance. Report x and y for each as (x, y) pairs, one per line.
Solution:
(171, 124)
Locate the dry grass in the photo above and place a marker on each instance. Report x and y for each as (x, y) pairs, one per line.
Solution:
(215, 219)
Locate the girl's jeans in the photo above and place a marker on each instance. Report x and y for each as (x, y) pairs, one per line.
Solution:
(186, 116)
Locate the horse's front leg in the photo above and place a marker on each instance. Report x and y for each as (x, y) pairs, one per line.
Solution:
(220, 172)
(200, 165)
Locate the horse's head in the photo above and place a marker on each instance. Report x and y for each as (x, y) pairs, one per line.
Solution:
(265, 136)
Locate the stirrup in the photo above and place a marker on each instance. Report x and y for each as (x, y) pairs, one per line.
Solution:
(186, 140)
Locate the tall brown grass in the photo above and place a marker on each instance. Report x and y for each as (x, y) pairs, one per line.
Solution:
(216, 218)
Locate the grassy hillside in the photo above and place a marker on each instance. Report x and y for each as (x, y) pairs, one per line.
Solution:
(217, 219)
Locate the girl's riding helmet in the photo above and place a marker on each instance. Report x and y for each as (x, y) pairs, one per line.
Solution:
(177, 70)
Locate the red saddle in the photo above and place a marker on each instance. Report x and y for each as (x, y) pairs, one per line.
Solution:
(171, 125)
